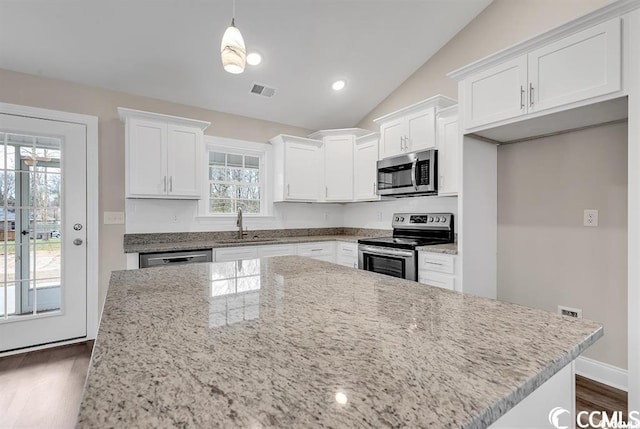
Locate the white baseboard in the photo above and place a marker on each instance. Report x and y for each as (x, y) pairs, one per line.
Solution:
(602, 372)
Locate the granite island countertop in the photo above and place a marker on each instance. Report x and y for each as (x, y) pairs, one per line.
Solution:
(295, 342)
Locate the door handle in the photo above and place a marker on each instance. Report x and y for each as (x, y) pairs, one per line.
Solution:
(413, 173)
(77, 241)
(24, 232)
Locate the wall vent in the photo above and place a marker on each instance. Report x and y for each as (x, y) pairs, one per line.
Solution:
(263, 90)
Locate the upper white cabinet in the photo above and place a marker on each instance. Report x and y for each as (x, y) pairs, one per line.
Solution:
(338, 168)
(365, 170)
(449, 149)
(412, 128)
(163, 155)
(578, 67)
(298, 174)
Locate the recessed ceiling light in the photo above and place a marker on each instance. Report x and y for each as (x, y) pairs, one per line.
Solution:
(338, 85)
(254, 58)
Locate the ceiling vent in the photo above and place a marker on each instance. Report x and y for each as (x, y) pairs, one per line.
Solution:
(263, 90)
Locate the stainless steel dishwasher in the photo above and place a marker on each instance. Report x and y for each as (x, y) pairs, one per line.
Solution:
(162, 259)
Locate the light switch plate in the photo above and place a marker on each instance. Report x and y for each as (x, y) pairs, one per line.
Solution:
(114, 218)
(591, 217)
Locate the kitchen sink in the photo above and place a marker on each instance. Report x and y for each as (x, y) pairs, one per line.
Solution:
(248, 240)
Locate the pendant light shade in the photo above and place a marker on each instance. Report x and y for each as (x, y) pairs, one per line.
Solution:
(232, 50)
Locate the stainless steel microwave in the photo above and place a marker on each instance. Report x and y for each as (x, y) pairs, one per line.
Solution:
(410, 174)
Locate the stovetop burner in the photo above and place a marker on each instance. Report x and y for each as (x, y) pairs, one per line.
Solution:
(411, 230)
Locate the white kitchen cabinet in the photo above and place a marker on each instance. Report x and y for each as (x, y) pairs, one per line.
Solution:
(276, 250)
(322, 250)
(163, 155)
(235, 253)
(365, 170)
(347, 254)
(437, 269)
(584, 65)
(298, 168)
(412, 128)
(578, 67)
(449, 150)
(338, 168)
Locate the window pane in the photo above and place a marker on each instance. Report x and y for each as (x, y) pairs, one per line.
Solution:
(249, 192)
(249, 206)
(218, 173)
(251, 176)
(221, 205)
(234, 160)
(216, 158)
(236, 175)
(251, 162)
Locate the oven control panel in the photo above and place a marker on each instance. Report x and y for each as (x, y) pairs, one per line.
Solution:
(422, 220)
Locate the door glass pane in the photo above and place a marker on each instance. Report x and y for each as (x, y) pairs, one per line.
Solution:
(30, 223)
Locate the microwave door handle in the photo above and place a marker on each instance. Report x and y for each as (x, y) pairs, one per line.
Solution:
(413, 174)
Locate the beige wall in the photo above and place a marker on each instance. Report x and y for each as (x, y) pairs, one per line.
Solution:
(29, 90)
(502, 24)
(546, 256)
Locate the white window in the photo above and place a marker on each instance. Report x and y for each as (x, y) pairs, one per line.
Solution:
(236, 177)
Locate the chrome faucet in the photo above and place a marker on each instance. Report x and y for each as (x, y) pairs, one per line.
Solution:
(241, 233)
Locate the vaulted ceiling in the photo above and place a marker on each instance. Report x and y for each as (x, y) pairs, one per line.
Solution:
(170, 50)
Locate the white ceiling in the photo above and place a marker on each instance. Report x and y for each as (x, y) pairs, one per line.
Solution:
(170, 49)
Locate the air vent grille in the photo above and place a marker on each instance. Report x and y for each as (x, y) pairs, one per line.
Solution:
(262, 90)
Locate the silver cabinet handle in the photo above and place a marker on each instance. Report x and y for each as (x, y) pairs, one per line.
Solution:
(521, 97)
(164, 182)
(170, 183)
(401, 141)
(374, 188)
(406, 143)
(530, 94)
(326, 191)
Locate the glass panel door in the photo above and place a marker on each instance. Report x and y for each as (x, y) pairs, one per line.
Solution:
(42, 218)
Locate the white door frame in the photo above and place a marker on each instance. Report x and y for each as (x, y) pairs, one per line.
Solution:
(91, 124)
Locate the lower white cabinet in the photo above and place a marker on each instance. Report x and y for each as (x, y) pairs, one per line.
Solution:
(437, 269)
(277, 250)
(347, 254)
(234, 253)
(322, 250)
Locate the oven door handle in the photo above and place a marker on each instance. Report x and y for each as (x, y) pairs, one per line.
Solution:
(385, 251)
(413, 173)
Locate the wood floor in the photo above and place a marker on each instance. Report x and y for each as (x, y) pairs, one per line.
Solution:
(42, 389)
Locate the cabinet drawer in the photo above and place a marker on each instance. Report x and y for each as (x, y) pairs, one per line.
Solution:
(236, 253)
(316, 249)
(347, 249)
(278, 250)
(436, 262)
(437, 279)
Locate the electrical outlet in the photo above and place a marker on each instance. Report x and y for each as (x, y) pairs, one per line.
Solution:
(113, 218)
(571, 312)
(591, 217)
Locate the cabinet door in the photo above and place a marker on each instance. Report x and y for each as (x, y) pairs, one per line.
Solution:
(184, 155)
(277, 250)
(303, 175)
(392, 135)
(236, 253)
(146, 159)
(496, 94)
(421, 130)
(578, 67)
(365, 171)
(338, 168)
(448, 155)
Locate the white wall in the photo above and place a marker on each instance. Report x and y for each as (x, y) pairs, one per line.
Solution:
(378, 214)
(181, 216)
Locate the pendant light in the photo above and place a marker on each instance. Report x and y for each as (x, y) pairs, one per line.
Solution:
(232, 50)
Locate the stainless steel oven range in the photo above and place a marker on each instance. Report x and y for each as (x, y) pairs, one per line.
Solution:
(397, 255)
